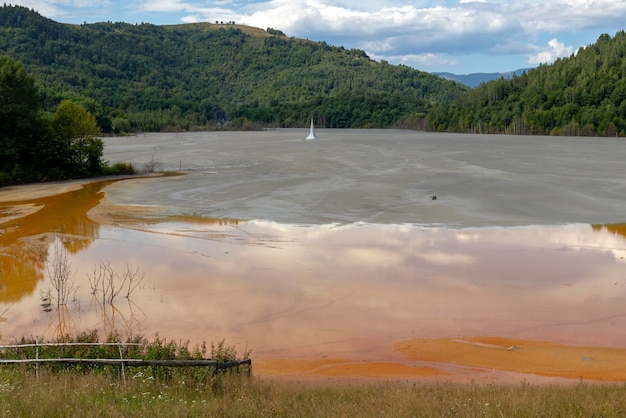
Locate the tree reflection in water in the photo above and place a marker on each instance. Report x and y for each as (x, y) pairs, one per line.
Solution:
(61, 301)
(25, 242)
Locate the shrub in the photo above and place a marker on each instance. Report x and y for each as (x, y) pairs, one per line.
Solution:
(136, 347)
(120, 168)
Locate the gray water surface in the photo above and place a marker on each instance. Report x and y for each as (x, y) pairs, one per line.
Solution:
(378, 176)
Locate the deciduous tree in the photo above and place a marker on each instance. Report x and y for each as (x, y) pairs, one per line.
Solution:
(20, 120)
(79, 133)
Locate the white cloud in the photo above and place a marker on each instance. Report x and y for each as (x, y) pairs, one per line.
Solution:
(417, 35)
(554, 50)
(425, 61)
(211, 15)
(78, 11)
(192, 12)
(400, 29)
(42, 6)
(569, 15)
(58, 8)
(190, 19)
(165, 6)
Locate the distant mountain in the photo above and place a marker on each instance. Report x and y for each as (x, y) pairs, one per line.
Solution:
(476, 79)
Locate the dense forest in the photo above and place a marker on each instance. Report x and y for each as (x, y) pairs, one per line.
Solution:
(36, 145)
(584, 94)
(150, 78)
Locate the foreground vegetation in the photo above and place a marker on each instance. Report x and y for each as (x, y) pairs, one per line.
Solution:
(71, 394)
(175, 392)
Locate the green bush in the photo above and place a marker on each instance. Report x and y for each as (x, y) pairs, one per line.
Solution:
(120, 168)
(136, 347)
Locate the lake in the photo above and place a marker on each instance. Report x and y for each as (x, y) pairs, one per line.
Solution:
(331, 249)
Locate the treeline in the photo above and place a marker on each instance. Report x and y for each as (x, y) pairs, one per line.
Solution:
(150, 78)
(36, 145)
(584, 94)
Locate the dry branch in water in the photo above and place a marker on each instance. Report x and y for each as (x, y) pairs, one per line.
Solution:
(107, 283)
(60, 274)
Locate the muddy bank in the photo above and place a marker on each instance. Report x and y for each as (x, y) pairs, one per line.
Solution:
(471, 359)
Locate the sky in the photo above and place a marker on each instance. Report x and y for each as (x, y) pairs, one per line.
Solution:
(457, 36)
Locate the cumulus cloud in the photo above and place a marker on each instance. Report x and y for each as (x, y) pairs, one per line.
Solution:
(549, 54)
(569, 15)
(59, 8)
(425, 61)
(419, 32)
(398, 29)
(192, 12)
(166, 6)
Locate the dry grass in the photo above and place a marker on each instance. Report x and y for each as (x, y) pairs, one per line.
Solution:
(69, 394)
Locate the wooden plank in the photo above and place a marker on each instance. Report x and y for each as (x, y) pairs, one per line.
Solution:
(66, 344)
(134, 362)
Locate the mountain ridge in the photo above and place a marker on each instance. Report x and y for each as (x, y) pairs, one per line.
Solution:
(475, 79)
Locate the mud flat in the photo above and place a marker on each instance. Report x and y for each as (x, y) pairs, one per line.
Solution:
(333, 260)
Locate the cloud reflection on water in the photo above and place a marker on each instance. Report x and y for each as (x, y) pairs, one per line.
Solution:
(352, 290)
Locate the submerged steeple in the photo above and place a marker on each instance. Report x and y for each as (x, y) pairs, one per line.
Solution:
(312, 132)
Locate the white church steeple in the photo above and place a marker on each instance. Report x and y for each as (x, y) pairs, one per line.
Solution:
(312, 132)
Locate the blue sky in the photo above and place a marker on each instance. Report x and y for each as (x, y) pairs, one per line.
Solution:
(460, 36)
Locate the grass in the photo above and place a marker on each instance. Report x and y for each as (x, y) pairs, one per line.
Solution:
(164, 392)
(70, 394)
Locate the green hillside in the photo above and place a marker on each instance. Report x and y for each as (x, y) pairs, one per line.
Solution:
(584, 94)
(149, 78)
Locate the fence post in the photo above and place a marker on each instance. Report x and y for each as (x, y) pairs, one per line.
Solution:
(37, 357)
(122, 362)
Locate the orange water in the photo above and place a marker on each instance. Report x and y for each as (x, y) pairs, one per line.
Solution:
(288, 291)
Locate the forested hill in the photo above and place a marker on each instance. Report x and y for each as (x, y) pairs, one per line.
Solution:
(148, 77)
(584, 94)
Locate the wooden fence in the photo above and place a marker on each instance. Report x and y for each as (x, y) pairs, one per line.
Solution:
(122, 362)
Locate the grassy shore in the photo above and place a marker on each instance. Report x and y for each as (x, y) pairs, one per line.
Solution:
(65, 390)
(64, 394)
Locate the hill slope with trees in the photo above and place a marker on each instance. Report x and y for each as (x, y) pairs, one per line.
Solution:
(148, 77)
(584, 94)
